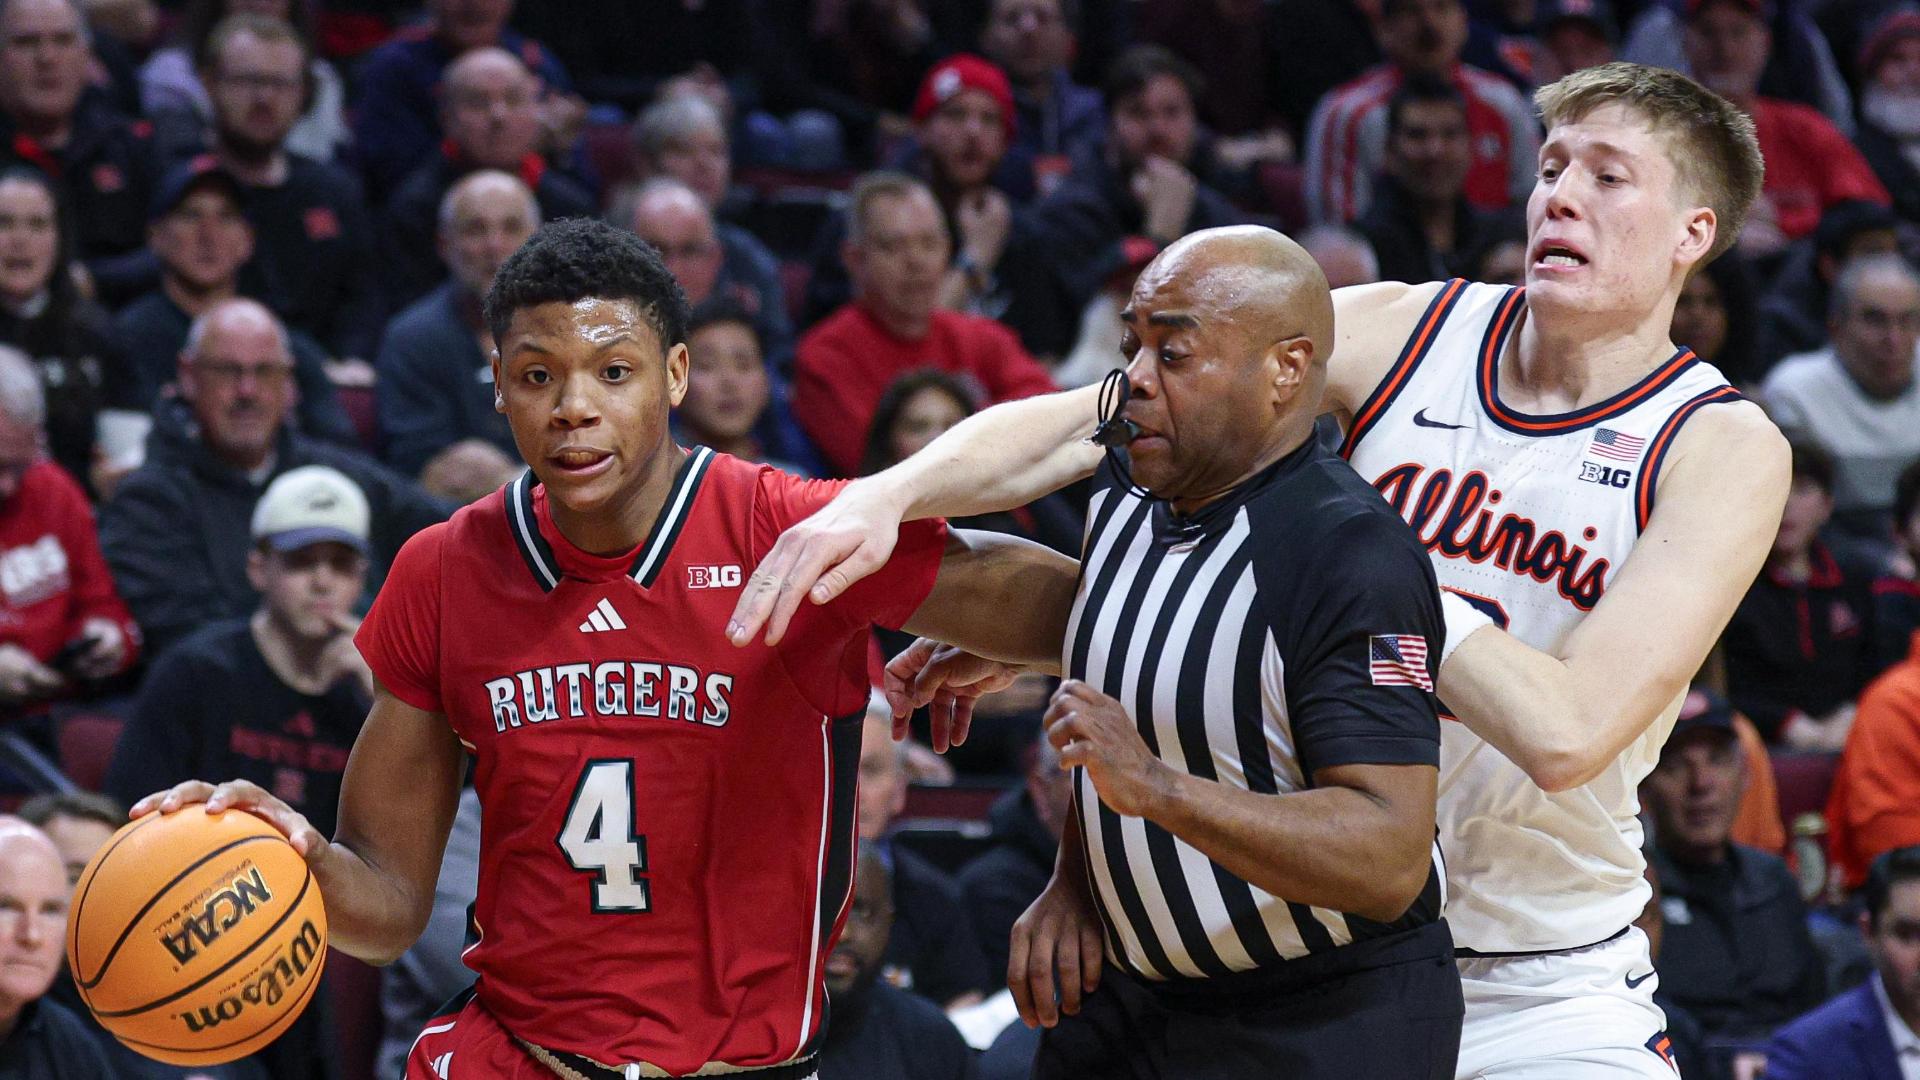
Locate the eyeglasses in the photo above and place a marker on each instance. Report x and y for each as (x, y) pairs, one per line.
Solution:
(246, 80)
(227, 373)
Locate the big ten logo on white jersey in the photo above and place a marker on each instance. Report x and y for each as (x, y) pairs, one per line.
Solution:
(32, 572)
(713, 577)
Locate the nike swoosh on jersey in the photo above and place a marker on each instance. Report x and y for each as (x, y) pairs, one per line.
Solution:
(1632, 982)
(1420, 418)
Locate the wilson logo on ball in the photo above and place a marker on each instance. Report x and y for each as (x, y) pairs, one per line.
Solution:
(222, 912)
(267, 987)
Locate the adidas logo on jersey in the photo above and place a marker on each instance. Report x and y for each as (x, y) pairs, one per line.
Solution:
(602, 618)
(442, 1064)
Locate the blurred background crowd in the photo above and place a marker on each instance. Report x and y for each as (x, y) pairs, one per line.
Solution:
(243, 245)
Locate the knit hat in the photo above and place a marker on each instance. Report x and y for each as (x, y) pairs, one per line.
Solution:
(1901, 24)
(964, 72)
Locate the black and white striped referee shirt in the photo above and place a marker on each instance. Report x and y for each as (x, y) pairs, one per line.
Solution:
(1291, 626)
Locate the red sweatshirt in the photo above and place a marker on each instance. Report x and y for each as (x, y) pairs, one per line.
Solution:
(845, 363)
(1810, 165)
(52, 578)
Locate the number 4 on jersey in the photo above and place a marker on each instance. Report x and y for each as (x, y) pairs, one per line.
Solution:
(598, 837)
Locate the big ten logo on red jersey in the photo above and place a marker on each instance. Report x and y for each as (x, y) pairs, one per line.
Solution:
(618, 688)
(33, 572)
(713, 577)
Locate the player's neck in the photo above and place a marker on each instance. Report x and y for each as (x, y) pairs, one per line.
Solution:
(1552, 368)
(625, 521)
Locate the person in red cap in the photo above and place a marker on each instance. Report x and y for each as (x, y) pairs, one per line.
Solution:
(963, 120)
(1889, 132)
(1810, 164)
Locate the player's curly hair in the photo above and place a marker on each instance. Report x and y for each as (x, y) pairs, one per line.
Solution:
(576, 258)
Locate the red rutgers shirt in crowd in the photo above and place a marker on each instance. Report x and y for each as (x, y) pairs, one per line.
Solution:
(52, 578)
(669, 832)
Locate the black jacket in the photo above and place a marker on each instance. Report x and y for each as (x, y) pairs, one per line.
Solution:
(409, 256)
(1392, 225)
(50, 1043)
(1002, 881)
(106, 173)
(83, 369)
(177, 532)
(1735, 952)
(313, 246)
(1080, 237)
(1893, 167)
(1808, 647)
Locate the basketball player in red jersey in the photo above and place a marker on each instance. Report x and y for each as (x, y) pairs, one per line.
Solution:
(668, 848)
(1595, 502)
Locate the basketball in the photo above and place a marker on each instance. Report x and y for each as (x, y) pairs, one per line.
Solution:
(196, 938)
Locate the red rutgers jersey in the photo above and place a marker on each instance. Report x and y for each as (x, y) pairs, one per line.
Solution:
(668, 819)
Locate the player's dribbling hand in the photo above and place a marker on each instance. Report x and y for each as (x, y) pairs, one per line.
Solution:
(949, 680)
(1093, 731)
(818, 559)
(239, 795)
(1055, 953)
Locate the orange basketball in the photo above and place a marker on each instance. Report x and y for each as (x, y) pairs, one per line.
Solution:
(197, 938)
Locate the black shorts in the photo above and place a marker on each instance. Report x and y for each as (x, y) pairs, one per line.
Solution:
(1392, 1011)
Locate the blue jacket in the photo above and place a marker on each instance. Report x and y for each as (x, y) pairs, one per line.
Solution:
(1845, 1039)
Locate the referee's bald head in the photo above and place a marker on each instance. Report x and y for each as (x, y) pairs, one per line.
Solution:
(1228, 331)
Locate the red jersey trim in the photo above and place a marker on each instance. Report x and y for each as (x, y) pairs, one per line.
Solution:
(1521, 423)
(1663, 441)
(1383, 396)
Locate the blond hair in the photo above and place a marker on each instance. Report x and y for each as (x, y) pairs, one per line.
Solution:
(1714, 149)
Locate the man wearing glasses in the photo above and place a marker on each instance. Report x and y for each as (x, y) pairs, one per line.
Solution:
(176, 534)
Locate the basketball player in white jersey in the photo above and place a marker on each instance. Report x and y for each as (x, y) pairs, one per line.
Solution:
(1596, 500)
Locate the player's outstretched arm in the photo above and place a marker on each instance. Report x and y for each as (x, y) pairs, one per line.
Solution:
(1003, 457)
(1001, 597)
(1565, 718)
(397, 803)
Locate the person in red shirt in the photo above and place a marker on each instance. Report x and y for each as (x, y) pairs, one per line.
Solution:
(897, 251)
(668, 849)
(1810, 164)
(61, 622)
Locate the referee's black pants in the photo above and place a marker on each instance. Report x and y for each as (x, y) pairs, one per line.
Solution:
(1389, 1010)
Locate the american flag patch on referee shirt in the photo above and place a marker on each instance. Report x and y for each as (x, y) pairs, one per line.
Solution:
(1618, 445)
(1398, 660)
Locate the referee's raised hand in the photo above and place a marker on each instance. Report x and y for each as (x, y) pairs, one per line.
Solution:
(1093, 731)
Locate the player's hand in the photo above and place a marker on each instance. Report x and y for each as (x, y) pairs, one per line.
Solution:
(106, 650)
(239, 795)
(23, 677)
(949, 681)
(818, 559)
(1055, 952)
(1094, 731)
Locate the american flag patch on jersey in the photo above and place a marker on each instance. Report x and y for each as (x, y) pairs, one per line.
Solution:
(1618, 445)
(1398, 660)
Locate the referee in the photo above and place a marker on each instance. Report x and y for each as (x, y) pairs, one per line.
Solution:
(1250, 720)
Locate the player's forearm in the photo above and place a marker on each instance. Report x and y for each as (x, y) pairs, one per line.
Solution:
(1544, 713)
(1334, 847)
(371, 915)
(997, 459)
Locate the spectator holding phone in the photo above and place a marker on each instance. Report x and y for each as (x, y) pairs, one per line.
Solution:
(61, 622)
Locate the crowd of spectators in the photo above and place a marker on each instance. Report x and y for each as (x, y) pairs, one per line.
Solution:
(243, 245)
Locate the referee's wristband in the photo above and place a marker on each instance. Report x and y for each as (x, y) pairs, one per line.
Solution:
(1461, 619)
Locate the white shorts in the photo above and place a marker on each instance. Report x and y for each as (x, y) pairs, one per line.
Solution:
(1565, 1016)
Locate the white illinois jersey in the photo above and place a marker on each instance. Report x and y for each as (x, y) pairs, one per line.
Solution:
(1528, 517)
